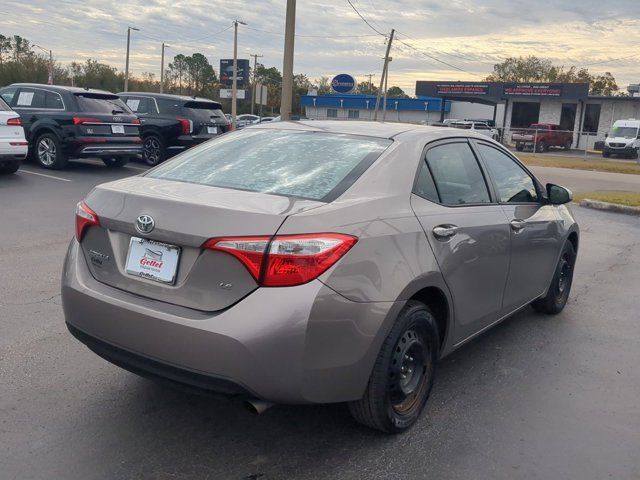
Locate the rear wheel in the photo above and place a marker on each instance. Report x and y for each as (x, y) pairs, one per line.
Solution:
(403, 374)
(556, 298)
(9, 168)
(48, 152)
(541, 147)
(115, 162)
(519, 147)
(153, 150)
(568, 144)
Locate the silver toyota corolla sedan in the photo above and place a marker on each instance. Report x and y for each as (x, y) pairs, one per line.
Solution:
(316, 262)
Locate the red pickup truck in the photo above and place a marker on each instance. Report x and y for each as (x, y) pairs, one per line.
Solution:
(543, 135)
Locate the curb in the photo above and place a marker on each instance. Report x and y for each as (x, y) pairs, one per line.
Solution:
(610, 207)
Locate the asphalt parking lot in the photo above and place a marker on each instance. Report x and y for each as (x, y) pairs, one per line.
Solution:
(536, 397)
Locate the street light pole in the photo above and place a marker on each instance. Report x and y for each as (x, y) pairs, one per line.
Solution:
(286, 102)
(126, 67)
(162, 68)
(234, 87)
(50, 80)
(255, 78)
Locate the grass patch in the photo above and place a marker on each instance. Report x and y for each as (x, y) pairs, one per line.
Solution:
(579, 164)
(631, 199)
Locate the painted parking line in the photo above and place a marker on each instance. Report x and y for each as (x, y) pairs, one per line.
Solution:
(137, 168)
(44, 175)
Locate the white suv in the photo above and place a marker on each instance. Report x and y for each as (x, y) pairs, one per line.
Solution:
(13, 145)
(481, 127)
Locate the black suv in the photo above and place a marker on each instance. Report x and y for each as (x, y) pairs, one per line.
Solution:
(172, 123)
(63, 122)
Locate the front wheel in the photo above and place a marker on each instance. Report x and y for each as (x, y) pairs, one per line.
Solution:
(558, 294)
(403, 374)
(541, 147)
(567, 145)
(606, 154)
(115, 162)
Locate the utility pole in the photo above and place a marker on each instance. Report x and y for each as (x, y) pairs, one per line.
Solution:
(234, 88)
(126, 67)
(162, 68)
(385, 69)
(286, 102)
(370, 84)
(255, 78)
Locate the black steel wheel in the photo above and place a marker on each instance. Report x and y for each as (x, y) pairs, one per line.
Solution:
(403, 374)
(558, 294)
(153, 150)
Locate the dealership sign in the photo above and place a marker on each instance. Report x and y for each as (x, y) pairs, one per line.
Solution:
(242, 73)
(459, 88)
(343, 83)
(532, 90)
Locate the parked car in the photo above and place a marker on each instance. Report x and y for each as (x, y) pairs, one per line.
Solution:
(480, 127)
(67, 122)
(173, 123)
(13, 145)
(266, 119)
(623, 140)
(488, 121)
(247, 119)
(544, 136)
(316, 262)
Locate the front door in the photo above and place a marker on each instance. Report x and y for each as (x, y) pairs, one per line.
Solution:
(467, 231)
(535, 235)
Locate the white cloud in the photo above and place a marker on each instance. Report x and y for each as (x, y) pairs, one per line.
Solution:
(471, 35)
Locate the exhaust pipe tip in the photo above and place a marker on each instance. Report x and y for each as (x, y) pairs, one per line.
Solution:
(256, 406)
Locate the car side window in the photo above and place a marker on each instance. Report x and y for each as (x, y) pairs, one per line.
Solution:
(457, 175)
(30, 98)
(513, 184)
(8, 94)
(53, 100)
(169, 107)
(425, 187)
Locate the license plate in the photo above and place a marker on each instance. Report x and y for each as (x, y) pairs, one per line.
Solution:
(153, 260)
(117, 128)
(212, 130)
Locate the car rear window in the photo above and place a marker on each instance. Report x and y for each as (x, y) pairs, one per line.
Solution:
(203, 111)
(96, 103)
(313, 165)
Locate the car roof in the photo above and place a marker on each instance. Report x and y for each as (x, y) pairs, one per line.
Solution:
(169, 96)
(62, 88)
(370, 129)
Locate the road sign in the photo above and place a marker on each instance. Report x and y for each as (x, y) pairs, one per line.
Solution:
(261, 94)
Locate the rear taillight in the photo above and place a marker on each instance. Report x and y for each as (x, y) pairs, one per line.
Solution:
(16, 122)
(286, 260)
(135, 121)
(186, 125)
(81, 120)
(85, 218)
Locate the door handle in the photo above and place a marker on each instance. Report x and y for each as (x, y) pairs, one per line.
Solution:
(445, 231)
(517, 224)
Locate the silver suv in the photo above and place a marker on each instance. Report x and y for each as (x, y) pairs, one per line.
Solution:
(316, 262)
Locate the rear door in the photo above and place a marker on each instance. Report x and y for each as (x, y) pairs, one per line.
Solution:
(534, 231)
(468, 232)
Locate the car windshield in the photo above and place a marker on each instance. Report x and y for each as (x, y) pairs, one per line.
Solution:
(626, 132)
(313, 165)
(203, 111)
(96, 103)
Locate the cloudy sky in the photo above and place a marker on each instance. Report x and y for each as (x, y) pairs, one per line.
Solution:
(469, 35)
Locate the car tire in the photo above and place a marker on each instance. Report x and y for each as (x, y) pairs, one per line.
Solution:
(606, 154)
(541, 147)
(10, 168)
(47, 152)
(519, 147)
(154, 150)
(558, 294)
(567, 145)
(115, 162)
(392, 403)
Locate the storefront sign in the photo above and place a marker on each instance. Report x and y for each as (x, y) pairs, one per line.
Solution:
(532, 90)
(462, 89)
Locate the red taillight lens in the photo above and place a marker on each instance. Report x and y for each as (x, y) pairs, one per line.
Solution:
(135, 121)
(290, 259)
(16, 122)
(186, 125)
(85, 218)
(81, 120)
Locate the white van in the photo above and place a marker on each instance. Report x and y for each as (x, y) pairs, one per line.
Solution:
(623, 140)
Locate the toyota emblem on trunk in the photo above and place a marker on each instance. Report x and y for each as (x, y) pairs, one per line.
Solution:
(145, 224)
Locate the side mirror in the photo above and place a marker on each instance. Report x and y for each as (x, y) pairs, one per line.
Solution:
(558, 195)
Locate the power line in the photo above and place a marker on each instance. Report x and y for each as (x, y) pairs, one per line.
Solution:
(365, 20)
(436, 59)
(608, 61)
(441, 52)
(308, 36)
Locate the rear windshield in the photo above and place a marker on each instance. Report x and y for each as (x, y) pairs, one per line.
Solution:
(313, 165)
(107, 104)
(203, 111)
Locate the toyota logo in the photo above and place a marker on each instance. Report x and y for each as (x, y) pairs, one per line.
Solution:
(145, 224)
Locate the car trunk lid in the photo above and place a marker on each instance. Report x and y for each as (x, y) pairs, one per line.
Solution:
(104, 115)
(185, 216)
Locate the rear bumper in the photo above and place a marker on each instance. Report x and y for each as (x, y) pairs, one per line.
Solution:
(303, 344)
(105, 147)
